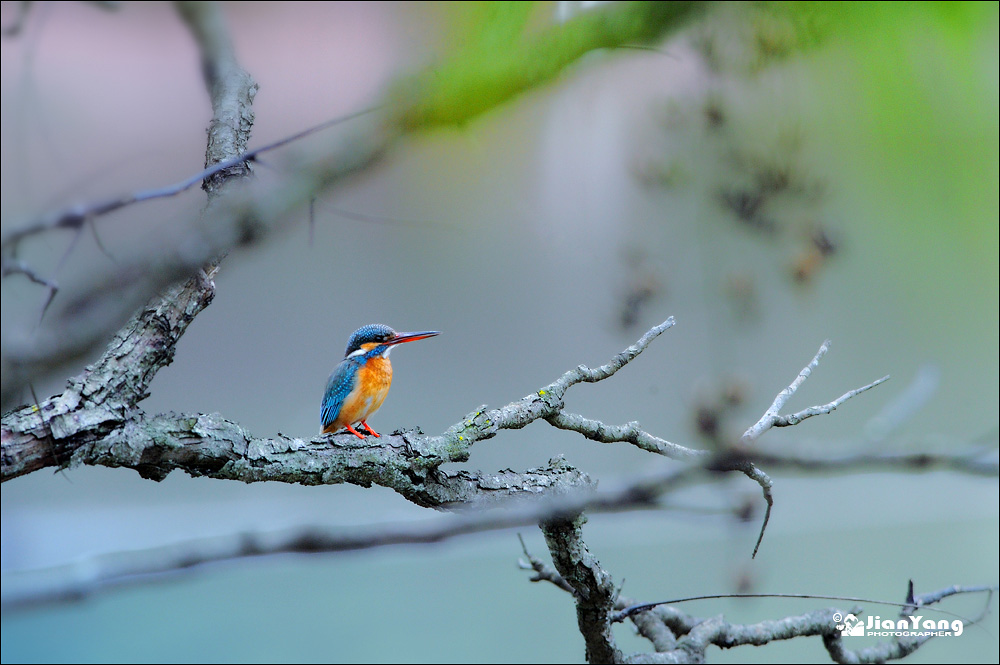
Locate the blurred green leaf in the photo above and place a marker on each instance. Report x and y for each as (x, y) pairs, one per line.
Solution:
(499, 57)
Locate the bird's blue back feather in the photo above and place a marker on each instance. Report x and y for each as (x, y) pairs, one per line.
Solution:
(338, 387)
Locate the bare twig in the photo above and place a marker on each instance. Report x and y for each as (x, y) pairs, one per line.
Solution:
(22, 268)
(796, 418)
(75, 216)
(14, 267)
(972, 461)
(596, 430)
(767, 420)
(766, 485)
(902, 646)
(544, 403)
(543, 571)
(634, 434)
(772, 417)
(910, 604)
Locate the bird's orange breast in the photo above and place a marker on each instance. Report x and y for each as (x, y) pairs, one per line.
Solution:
(373, 381)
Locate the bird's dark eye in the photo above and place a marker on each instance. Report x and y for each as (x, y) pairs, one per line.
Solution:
(381, 333)
(374, 333)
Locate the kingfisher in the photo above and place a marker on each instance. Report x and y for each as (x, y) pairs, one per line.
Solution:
(358, 385)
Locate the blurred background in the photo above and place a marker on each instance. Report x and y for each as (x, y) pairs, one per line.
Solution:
(771, 175)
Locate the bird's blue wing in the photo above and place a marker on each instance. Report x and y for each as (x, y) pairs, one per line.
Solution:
(338, 387)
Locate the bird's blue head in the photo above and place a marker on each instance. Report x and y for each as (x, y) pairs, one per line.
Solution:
(380, 338)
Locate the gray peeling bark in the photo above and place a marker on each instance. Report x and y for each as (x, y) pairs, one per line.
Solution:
(88, 425)
(592, 587)
(209, 445)
(99, 401)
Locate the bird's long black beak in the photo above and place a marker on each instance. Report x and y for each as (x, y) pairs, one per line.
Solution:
(411, 336)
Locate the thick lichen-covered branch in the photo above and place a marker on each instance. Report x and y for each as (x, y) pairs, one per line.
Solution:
(502, 500)
(210, 446)
(97, 423)
(97, 403)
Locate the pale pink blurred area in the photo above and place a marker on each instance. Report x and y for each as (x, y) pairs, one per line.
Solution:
(93, 98)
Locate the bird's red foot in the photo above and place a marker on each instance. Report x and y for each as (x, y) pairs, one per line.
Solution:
(355, 432)
(370, 430)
